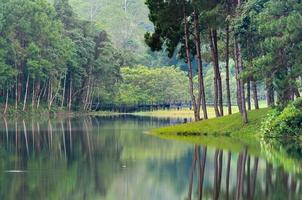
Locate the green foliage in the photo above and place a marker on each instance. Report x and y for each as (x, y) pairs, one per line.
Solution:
(270, 34)
(152, 85)
(66, 60)
(284, 123)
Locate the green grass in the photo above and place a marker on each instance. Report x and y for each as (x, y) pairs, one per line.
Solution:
(182, 113)
(231, 124)
(187, 113)
(227, 132)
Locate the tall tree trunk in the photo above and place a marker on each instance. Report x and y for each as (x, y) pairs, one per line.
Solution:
(64, 89)
(239, 79)
(255, 94)
(216, 87)
(201, 93)
(238, 93)
(219, 82)
(26, 91)
(70, 95)
(6, 103)
(41, 93)
(248, 95)
(240, 82)
(19, 87)
(227, 78)
(16, 94)
(33, 95)
(190, 70)
(270, 96)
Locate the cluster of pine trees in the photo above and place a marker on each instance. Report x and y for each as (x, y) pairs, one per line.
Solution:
(49, 56)
(262, 37)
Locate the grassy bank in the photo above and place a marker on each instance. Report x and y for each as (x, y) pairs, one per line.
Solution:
(187, 113)
(181, 113)
(225, 132)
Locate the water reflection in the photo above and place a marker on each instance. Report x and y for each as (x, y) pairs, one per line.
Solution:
(110, 158)
(239, 176)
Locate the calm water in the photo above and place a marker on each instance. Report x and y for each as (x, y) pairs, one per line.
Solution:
(111, 158)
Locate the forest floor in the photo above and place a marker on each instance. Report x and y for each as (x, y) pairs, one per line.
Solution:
(225, 132)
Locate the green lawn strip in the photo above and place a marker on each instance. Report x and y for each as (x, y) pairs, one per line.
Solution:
(227, 132)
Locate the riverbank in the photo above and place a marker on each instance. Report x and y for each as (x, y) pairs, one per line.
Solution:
(225, 132)
(186, 112)
(43, 111)
(179, 113)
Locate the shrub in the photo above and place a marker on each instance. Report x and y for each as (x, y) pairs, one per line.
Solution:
(284, 123)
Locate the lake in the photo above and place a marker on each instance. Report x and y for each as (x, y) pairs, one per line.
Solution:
(113, 158)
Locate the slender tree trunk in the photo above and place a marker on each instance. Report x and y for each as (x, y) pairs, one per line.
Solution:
(215, 70)
(240, 82)
(255, 94)
(19, 87)
(70, 95)
(190, 70)
(238, 93)
(33, 95)
(6, 103)
(52, 97)
(227, 79)
(219, 82)
(64, 89)
(88, 92)
(16, 94)
(41, 92)
(201, 96)
(270, 97)
(25, 96)
(248, 95)
(239, 70)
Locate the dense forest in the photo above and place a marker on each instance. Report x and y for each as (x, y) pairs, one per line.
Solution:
(262, 37)
(74, 54)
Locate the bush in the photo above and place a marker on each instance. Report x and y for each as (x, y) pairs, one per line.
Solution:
(284, 123)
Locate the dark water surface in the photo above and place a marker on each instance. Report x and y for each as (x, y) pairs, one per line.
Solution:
(111, 158)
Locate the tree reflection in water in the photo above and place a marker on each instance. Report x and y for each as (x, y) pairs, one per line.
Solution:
(242, 180)
(110, 158)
